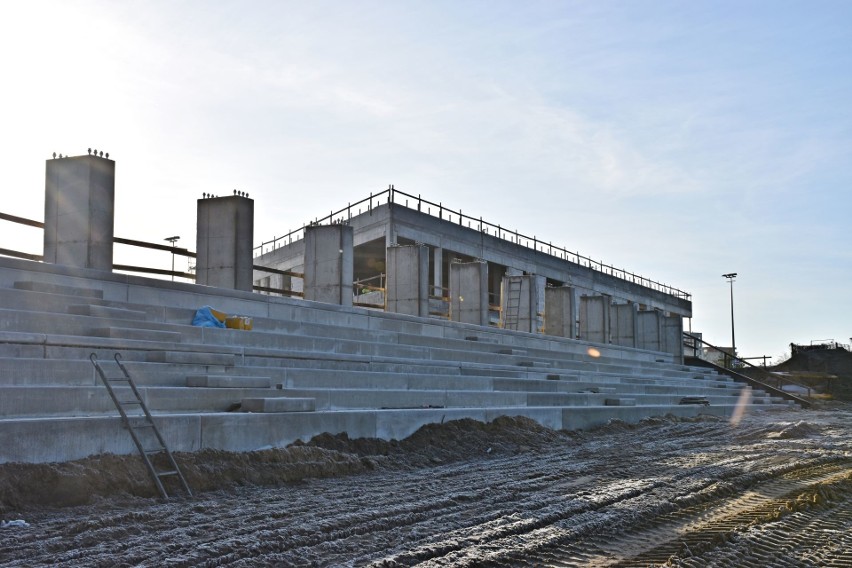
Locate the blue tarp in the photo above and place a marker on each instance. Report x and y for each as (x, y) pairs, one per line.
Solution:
(204, 318)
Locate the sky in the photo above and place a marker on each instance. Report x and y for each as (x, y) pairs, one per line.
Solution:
(680, 140)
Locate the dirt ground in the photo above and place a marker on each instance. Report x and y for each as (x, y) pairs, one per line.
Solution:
(773, 490)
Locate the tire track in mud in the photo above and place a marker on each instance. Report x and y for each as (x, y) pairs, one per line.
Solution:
(695, 528)
(618, 491)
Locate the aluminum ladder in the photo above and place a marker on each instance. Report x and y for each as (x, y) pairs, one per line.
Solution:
(514, 284)
(136, 424)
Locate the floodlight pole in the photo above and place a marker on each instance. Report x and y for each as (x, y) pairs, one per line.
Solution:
(731, 276)
(172, 240)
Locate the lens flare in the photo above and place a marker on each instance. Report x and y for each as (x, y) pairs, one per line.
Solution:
(739, 411)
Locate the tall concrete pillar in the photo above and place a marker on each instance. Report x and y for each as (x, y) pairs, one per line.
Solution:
(624, 324)
(560, 311)
(224, 237)
(469, 292)
(529, 302)
(79, 212)
(595, 318)
(672, 335)
(650, 330)
(437, 271)
(407, 288)
(329, 268)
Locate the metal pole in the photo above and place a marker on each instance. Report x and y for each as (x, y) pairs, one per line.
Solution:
(733, 336)
(730, 276)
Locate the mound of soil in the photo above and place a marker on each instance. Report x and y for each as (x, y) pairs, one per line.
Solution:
(835, 361)
(83, 481)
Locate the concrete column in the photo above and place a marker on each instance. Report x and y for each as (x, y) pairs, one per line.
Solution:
(437, 271)
(329, 268)
(672, 326)
(407, 289)
(539, 285)
(650, 330)
(560, 312)
(595, 318)
(624, 324)
(224, 237)
(79, 212)
(530, 316)
(469, 292)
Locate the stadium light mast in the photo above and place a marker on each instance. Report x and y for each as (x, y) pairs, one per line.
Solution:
(731, 276)
(172, 240)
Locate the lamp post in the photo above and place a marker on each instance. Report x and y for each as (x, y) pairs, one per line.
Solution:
(172, 240)
(730, 278)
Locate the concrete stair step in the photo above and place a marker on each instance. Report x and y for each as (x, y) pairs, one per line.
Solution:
(22, 371)
(139, 334)
(278, 404)
(336, 399)
(305, 378)
(352, 398)
(486, 372)
(192, 358)
(228, 381)
(81, 292)
(94, 400)
(620, 402)
(94, 310)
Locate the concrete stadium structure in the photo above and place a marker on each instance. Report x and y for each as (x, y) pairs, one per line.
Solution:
(585, 347)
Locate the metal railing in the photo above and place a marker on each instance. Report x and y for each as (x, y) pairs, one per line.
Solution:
(733, 363)
(178, 251)
(397, 197)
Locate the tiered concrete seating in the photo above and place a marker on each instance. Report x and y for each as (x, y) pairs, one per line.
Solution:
(306, 368)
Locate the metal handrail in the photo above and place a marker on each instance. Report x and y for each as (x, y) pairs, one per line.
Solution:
(397, 197)
(778, 379)
(393, 196)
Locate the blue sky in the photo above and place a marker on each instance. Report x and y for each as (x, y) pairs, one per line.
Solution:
(678, 140)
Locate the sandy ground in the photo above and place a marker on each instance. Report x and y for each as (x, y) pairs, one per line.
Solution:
(775, 490)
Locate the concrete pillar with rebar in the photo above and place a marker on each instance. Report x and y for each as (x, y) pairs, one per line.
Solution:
(79, 212)
(225, 229)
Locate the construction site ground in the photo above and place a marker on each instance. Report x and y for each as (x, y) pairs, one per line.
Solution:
(773, 490)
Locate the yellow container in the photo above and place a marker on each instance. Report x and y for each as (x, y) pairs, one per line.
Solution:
(238, 322)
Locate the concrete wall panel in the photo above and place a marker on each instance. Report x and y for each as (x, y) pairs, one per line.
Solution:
(469, 292)
(595, 318)
(561, 311)
(408, 280)
(329, 264)
(624, 324)
(650, 330)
